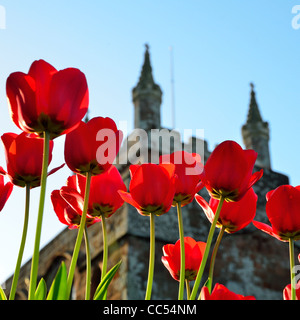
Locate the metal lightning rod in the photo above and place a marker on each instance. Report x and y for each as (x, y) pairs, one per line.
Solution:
(172, 86)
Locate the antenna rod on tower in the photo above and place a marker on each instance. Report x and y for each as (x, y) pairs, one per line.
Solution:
(172, 86)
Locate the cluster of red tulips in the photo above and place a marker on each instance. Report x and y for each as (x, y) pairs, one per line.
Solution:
(45, 104)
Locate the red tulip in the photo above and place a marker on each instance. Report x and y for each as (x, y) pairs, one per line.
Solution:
(24, 158)
(46, 99)
(93, 146)
(151, 188)
(234, 216)
(64, 211)
(220, 292)
(282, 209)
(104, 199)
(5, 191)
(287, 292)
(228, 171)
(188, 168)
(193, 257)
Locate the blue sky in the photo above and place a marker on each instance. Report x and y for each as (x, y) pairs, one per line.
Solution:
(219, 48)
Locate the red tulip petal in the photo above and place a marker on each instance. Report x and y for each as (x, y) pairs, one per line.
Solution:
(168, 249)
(133, 168)
(58, 205)
(73, 198)
(20, 90)
(282, 209)
(171, 267)
(206, 208)
(5, 192)
(255, 177)
(2, 171)
(56, 169)
(77, 149)
(151, 185)
(69, 96)
(269, 194)
(128, 198)
(204, 294)
(42, 72)
(169, 168)
(267, 229)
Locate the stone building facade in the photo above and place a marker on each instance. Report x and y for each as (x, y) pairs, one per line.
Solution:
(248, 262)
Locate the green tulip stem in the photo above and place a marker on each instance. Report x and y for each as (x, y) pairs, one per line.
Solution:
(182, 252)
(207, 249)
(79, 235)
(105, 247)
(292, 266)
(88, 265)
(213, 257)
(151, 257)
(36, 252)
(22, 245)
(188, 289)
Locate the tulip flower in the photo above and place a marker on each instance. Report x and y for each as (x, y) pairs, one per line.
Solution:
(228, 171)
(66, 214)
(46, 99)
(49, 103)
(234, 216)
(90, 150)
(188, 168)
(104, 198)
(24, 158)
(151, 193)
(282, 209)
(220, 292)
(93, 146)
(193, 256)
(5, 191)
(151, 188)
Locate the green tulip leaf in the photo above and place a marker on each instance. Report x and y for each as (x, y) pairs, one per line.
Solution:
(101, 291)
(58, 288)
(2, 294)
(41, 291)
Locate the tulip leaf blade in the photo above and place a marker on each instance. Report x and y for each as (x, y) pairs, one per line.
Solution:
(58, 288)
(41, 291)
(208, 284)
(101, 290)
(2, 294)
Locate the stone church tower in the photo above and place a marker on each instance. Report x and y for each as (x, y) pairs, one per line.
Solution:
(146, 95)
(248, 262)
(256, 133)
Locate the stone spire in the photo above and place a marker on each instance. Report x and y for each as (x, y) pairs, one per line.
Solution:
(146, 96)
(253, 114)
(256, 133)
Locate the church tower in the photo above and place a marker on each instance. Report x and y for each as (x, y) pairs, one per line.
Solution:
(147, 97)
(256, 133)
